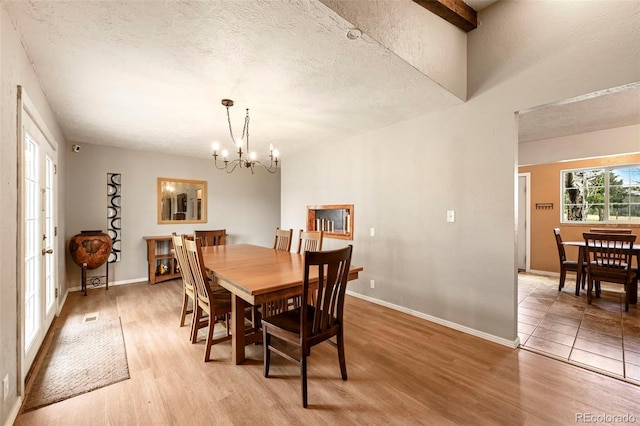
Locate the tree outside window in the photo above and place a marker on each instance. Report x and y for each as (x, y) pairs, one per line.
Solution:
(607, 194)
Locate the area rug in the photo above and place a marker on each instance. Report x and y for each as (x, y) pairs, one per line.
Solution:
(82, 357)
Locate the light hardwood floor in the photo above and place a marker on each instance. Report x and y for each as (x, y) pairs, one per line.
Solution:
(402, 370)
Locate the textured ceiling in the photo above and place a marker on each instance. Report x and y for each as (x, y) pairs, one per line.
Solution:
(150, 74)
(606, 109)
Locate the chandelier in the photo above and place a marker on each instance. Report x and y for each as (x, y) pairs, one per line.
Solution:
(247, 158)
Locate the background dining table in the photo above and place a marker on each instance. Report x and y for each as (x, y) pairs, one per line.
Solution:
(581, 258)
(256, 275)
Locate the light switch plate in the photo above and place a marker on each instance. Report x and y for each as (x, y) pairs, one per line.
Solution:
(451, 216)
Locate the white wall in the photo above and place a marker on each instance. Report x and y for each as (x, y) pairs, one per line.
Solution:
(403, 179)
(247, 206)
(619, 140)
(15, 69)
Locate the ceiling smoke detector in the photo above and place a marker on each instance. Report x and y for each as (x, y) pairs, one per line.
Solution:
(354, 34)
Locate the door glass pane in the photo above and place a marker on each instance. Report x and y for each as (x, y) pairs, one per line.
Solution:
(32, 242)
(49, 232)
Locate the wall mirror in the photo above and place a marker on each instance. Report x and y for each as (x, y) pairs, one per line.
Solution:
(336, 220)
(182, 201)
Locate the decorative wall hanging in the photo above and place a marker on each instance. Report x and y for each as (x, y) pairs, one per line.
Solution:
(114, 228)
(544, 206)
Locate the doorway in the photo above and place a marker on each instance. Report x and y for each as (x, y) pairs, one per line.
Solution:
(38, 202)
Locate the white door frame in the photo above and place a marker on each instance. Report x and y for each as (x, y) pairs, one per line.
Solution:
(26, 110)
(527, 177)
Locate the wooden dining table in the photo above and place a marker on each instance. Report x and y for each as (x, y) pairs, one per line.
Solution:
(255, 275)
(635, 250)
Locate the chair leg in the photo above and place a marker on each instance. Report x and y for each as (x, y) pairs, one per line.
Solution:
(563, 276)
(207, 348)
(341, 357)
(197, 315)
(627, 296)
(266, 337)
(183, 313)
(303, 375)
(589, 289)
(583, 278)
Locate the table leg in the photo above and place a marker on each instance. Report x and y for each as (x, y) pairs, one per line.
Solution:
(581, 251)
(237, 329)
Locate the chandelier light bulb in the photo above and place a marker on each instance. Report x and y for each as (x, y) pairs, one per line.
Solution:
(276, 153)
(239, 142)
(271, 147)
(225, 153)
(215, 146)
(252, 156)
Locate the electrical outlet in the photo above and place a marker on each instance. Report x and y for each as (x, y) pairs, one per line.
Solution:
(5, 387)
(372, 283)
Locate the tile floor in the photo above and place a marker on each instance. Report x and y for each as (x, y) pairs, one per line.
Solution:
(600, 336)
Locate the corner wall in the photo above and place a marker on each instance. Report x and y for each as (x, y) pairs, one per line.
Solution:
(15, 70)
(545, 188)
(402, 179)
(246, 205)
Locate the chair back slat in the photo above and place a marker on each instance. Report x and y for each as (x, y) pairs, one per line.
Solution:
(183, 263)
(309, 241)
(610, 230)
(214, 237)
(282, 239)
(333, 273)
(194, 255)
(561, 252)
(609, 256)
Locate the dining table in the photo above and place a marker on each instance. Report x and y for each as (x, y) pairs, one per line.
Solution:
(255, 275)
(635, 250)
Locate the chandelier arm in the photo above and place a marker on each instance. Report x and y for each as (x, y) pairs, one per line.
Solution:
(269, 169)
(235, 164)
(230, 128)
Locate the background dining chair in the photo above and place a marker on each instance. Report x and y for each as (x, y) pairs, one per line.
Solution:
(609, 259)
(611, 230)
(309, 241)
(310, 325)
(568, 265)
(282, 239)
(188, 288)
(216, 305)
(214, 237)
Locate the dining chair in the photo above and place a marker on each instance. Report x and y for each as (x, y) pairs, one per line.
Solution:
(282, 239)
(568, 265)
(188, 288)
(311, 324)
(214, 237)
(609, 258)
(309, 241)
(217, 305)
(611, 230)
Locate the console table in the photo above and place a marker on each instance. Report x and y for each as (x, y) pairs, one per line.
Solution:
(161, 262)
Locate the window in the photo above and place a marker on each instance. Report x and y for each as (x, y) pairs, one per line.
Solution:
(606, 194)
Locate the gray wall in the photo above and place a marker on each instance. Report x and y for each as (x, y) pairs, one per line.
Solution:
(247, 206)
(15, 69)
(403, 179)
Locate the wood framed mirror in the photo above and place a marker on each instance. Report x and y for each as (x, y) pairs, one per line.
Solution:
(182, 201)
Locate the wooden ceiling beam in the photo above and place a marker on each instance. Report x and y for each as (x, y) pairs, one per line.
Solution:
(456, 12)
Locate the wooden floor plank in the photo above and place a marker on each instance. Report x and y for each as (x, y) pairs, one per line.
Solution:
(402, 370)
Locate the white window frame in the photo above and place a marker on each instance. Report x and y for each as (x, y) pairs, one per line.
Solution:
(606, 169)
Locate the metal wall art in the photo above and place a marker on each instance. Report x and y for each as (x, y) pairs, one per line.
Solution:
(114, 228)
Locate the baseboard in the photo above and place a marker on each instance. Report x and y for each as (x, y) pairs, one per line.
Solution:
(114, 283)
(486, 336)
(544, 273)
(13, 414)
(62, 302)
